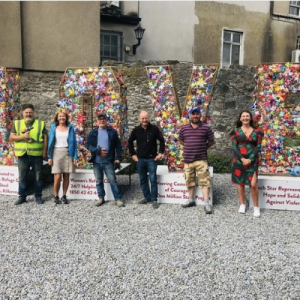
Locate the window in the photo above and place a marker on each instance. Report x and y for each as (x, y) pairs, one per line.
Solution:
(294, 8)
(232, 48)
(298, 43)
(111, 45)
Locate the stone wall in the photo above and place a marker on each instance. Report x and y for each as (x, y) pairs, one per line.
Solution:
(232, 93)
(41, 89)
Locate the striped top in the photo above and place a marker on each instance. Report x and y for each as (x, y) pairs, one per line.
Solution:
(195, 139)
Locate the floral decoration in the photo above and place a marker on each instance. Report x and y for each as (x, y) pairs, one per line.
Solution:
(167, 109)
(277, 118)
(200, 91)
(9, 111)
(108, 89)
(167, 112)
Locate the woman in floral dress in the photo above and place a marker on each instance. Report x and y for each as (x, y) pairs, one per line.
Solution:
(246, 145)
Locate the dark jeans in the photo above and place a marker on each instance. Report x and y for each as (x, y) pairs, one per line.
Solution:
(145, 165)
(24, 164)
(109, 170)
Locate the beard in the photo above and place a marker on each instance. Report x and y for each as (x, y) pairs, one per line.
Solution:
(195, 120)
(28, 120)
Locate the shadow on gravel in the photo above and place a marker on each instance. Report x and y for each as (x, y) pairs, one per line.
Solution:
(219, 196)
(30, 187)
(221, 189)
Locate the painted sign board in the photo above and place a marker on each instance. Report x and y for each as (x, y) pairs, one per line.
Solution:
(172, 188)
(278, 192)
(82, 183)
(9, 180)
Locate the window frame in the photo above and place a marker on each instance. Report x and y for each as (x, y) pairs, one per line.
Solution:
(298, 43)
(241, 44)
(119, 34)
(293, 5)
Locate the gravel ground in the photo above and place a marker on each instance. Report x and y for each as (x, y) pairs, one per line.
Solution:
(79, 251)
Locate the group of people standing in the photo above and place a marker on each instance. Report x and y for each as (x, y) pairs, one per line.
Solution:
(146, 146)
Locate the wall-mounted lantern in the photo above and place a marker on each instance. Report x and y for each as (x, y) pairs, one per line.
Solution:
(139, 33)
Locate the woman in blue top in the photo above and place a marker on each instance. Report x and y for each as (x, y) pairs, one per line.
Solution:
(62, 153)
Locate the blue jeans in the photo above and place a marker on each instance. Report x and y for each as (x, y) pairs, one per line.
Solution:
(109, 170)
(24, 164)
(145, 165)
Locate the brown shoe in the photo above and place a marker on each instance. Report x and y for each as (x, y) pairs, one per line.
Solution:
(99, 202)
(119, 203)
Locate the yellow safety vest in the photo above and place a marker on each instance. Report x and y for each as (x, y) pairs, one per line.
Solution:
(34, 145)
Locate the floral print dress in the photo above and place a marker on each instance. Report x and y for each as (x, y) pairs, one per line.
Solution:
(245, 147)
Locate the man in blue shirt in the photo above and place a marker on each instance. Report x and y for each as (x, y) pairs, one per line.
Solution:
(106, 149)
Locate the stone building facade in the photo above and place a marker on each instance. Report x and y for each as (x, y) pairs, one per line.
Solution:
(233, 92)
(226, 32)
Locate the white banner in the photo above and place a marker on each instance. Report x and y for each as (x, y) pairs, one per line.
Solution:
(172, 188)
(83, 185)
(9, 180)
(278, 192)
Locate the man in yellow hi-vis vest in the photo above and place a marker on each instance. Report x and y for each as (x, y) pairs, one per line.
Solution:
(30, 140)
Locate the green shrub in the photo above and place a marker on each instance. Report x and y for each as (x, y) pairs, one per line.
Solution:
(293, 142)
(220, 161)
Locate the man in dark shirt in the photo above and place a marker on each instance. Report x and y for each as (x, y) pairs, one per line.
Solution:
(196, 138)
(146, 156)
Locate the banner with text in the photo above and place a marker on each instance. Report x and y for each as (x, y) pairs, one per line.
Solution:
(9, 180)
(172, 188)
(83, 185)
(277, 192)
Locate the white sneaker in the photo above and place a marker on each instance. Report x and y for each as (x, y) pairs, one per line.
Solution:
(242, 209)
(188, 203)
(207, 208)
(256, 212)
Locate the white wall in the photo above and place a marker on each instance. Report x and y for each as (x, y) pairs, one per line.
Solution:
(169, 31)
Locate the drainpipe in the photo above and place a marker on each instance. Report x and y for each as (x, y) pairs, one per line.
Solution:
(271, 8)
(22, 33)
